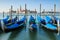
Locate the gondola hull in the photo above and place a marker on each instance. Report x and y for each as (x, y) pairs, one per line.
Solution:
(51, 21)
(0, 26)
(17, 28)
(48, 26)
(49, 29)
(55, 20)
(33, 27)
(10, 21)
(19, 24)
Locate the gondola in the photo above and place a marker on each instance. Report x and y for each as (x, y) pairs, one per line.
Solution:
(31, 20)
(45, 24)
(49, 19)
(0, 27)
(32, 23)
(52, 20)
(55, 20)
(7, 17)
(17, 25)
(9, 21)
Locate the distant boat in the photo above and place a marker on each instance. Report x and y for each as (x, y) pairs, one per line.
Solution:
(32, 23)
(17, 25)
(8, 21)
(45, 24)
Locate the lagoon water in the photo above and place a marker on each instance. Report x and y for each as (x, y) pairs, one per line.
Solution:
(25, 34)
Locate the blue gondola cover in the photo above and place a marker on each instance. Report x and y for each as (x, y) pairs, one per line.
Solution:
(16, 25)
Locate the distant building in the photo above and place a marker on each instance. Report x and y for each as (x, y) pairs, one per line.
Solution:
(28, 11)
(22, 11)
(12, 11)
(33, 11)
(43, 11)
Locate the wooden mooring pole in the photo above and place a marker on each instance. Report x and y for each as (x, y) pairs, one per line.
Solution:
(26, 17)
(58, 28)
(26, 13)
(11, 13)
(18, 14)
(3, 14)
(54, 13)
(40, 9)
(2, 24)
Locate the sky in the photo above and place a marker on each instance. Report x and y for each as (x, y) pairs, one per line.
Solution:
(31, 4)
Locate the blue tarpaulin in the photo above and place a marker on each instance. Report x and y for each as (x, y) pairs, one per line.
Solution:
(16, 25)
(50, 26)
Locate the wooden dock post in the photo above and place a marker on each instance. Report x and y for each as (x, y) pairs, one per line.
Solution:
(26, 17)
(25, 9)
(2, 24)
(26, 12)
(20, 8)
(54, 11)
(18, 14)
(3, 14)
(40, 9)
(11, 13)
(35, 13)
(58, 26)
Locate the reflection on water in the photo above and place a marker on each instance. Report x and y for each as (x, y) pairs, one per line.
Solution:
(15, 34)
(33, 35)
(25, 34)
(51, 35)
(4, 36)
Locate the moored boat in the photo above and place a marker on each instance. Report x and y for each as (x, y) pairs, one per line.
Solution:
(7, 17)
(47, 25)
(10, 21)
(32, 22)
(55, 20)
(17, 25)
(51, 20)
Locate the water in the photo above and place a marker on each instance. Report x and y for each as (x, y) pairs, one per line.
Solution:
(25, 34)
